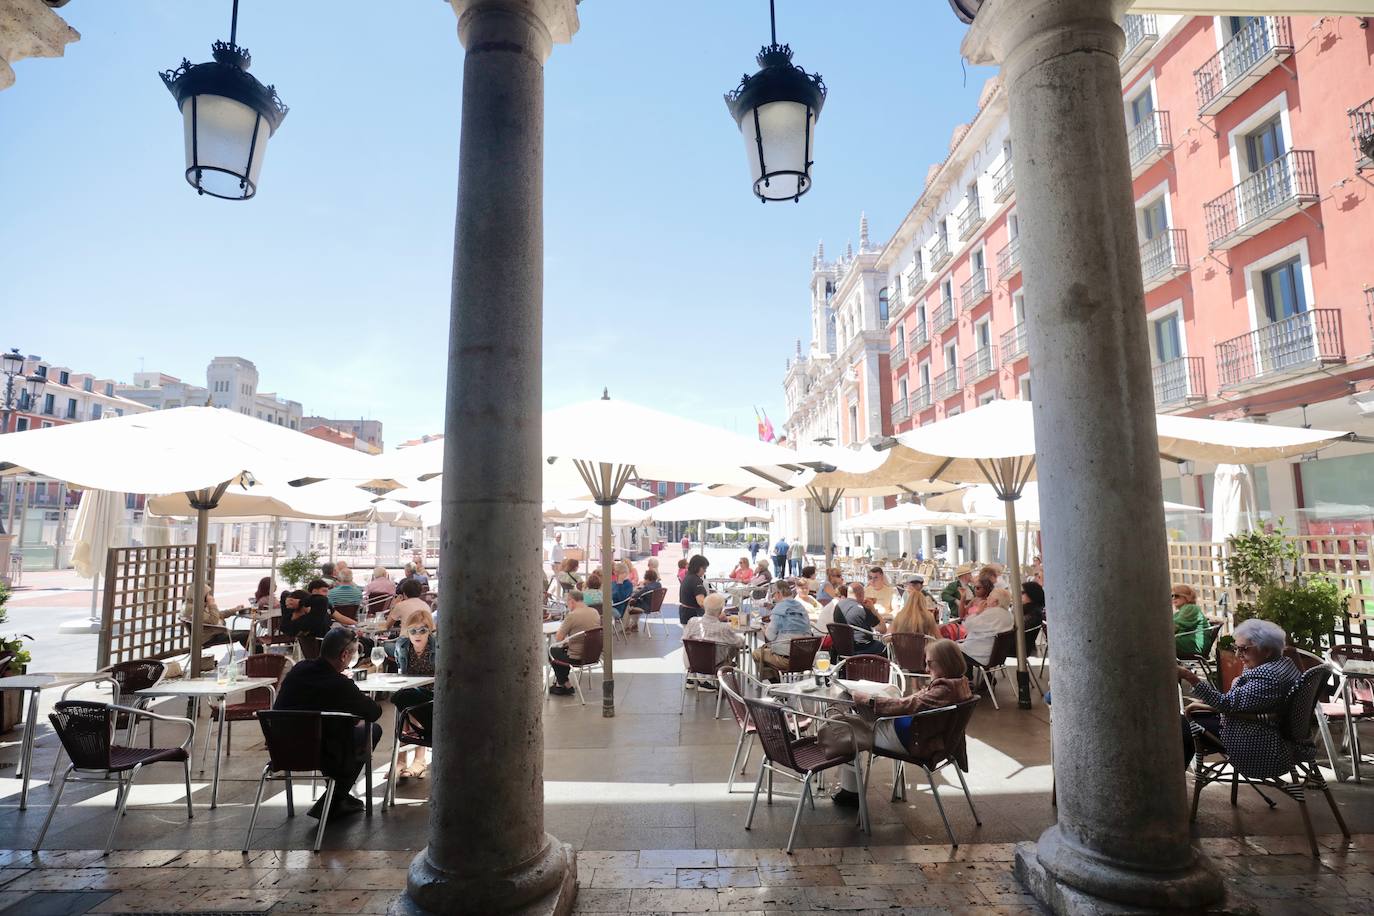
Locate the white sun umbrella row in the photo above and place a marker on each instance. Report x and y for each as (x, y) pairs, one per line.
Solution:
(198, 451)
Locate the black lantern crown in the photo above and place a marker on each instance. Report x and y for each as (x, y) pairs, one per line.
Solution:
(226, 75)
(777, 76)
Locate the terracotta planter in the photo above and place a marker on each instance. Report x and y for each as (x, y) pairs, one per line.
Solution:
(1229, 667)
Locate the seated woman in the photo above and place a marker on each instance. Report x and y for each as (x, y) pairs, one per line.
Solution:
(1190, 627)
(948, 685)
(1237, 717)
(830, 589)
(567, 577)
(262, 598)
(808, 577)
(762, 575)
(917, 614)
(591, 595)
(643, 596)
(415, 656)
(981, 590)
(621, 588)
(213, 632)
(743, 572)
(984, 627)
(711, 628)
(813, 607)
(1032, 606)
(682, 568)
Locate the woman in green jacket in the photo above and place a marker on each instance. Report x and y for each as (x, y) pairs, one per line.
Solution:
(1190, 627)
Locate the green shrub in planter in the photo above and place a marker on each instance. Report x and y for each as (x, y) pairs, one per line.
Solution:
(300, 569)
(1307, 609)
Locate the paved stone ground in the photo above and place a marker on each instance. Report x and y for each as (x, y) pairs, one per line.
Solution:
(643, 797)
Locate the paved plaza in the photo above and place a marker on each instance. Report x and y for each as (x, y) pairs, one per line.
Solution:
(643, 798)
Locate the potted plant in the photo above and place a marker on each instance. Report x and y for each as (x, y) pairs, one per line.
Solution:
(1229, 664)
(300, 569)
(14, 659)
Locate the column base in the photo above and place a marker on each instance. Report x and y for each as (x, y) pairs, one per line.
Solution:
(544, 886)
(1045, 869)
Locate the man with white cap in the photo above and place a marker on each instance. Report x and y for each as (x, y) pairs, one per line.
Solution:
(958, 593)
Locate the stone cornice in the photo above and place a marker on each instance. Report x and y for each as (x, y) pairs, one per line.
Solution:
(28, 28)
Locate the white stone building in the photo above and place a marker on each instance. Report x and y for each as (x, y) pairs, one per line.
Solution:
(231, 382)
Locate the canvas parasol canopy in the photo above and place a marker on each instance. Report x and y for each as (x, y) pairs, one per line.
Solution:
(697, 506)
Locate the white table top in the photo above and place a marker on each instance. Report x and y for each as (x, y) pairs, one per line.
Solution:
(41, 681)
(203, 687)
(390, 683)
(551, 627)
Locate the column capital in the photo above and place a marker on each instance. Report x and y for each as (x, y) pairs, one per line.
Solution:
(556, 19)
(1004, 25)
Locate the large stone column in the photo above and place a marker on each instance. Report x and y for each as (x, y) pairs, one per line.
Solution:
(488, 852)
(1122, 833)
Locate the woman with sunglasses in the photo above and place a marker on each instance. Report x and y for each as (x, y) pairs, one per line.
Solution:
(415, 656)
(1244, 719)
(1190, 627)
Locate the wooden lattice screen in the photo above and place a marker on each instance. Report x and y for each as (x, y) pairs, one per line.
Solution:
(145, 588)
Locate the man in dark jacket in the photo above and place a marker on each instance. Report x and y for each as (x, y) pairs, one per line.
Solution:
(320, 684)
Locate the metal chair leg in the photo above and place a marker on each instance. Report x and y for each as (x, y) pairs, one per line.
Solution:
(749, 822)
(125, 789)
(186, 771)
(1272, 804)
(1335, 812)
(734, 762)
(290, 794)
(205, 751)
(257, 803)
(1307, 822)
(324, 811)
(967, 796)
(796, 817)
(930, 778)
(52, 809)
(389, 801)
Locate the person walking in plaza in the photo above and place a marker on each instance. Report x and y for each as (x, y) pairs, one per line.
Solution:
(320, 684)
(567, 645)
(780, 556)
(556, 552)
(753, 549)
(796, 555)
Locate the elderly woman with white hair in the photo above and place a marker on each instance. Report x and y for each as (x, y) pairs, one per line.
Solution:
(1244, 718)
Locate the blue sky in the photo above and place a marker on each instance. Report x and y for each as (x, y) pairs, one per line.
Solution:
(335, 279)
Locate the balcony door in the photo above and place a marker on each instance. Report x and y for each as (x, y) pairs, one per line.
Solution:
(1154, 219)
(1171, 377)
(1270, 184)
(1287, 338)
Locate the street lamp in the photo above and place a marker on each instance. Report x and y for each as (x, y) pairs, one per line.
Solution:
(776, 110)
(32, 386)
(229, 117)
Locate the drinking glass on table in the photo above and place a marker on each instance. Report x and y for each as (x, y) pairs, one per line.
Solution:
(822, 662)
(378, 656)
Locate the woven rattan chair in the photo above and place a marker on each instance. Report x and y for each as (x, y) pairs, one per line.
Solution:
(308, 645)
(410, 733)
(592, 644)
(936, 741)
(87, 731)
(1003, 648)
(878, 668)
(908, 650)
(1201, 660)
(125, 679)
(656, 598)
(1294, 721)
(704, 659)
(736, 685)
(795, 758)
(801, 655)
(295, 744)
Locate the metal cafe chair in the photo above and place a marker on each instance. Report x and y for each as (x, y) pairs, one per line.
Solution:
(936, 741)
(87, 730)
(407, 734)
(877, 668)
(592, 644)
(704, 659)
(908, 650)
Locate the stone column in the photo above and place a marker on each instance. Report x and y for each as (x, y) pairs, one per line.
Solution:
(488, 852)
(1122, 835)
(928, 542)
(951, 545)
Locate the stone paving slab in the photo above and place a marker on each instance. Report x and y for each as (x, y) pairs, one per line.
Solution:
(924, 879)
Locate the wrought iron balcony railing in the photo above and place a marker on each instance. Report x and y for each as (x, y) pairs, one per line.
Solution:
(947, 383)
(919, 399)
(1014, 342)
(975, 289)
(900, 410)
(1271, 195)
(1009, 259)
(980, 364)
(1142, 31)
(939, 252)
(896, 299)
(897, 356)
(1149, 141)
(1250, 54)
(1179, 381)
(919, 336)
(970, 218)
(1002, 180)
(944, 316)
(1164, 257)
(1297, 343)
(1362, 134)
(915, 279)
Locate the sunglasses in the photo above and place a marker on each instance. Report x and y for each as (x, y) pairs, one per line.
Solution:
(417, 631)
(1183, 597)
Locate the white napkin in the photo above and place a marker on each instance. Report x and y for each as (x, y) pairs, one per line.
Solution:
(869, 687)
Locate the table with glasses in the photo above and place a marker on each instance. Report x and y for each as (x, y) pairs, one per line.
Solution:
(255, 616)
(209, 688)
(36, 684)
(797, 693)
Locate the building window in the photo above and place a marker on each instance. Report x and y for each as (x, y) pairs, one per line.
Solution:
(109, 389)
(71, 408)
(119, 411)
(680, 488)
(21, 424)
(1024, 384)
(49, 404)
(1283, 291)
(951, 354)
(663, 489)
(882, 307)
(1141, 107)
(41, 371)
(88, 384)
(1154, 218)
(1168, 340)
(987, 398)
(95, 411)
(64, 377)
(853, 422)
(1264, 145)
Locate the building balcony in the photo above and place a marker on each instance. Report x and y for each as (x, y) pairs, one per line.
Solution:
(975, 289)
(1149, 142)
(1141, 34)
(1009, 260)
(896, 299)
(1299, 343)
(970, 218)
(946, 384)
(1164, 257)
(1362, 134)
(897, 356)
(1014, 343)
(944, 317)
(1252, 53)
(1179, 382)
(919, 399)
(915, 278)
(919, 337)
(900, 410)
(980, 364)
(939, 252)
(1002, 183)
(1270, 196)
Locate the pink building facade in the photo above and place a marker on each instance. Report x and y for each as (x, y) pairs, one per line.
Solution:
(1255, 209)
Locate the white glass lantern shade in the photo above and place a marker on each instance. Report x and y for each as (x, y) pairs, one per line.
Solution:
(225, 144)
(778, 139)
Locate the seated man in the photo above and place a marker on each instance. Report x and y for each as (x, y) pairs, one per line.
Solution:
(327, 574)
(319, 601)
(711, 628)
(642, 598)
(789, 620)
(857, 610)
(345, 593)
(299, 616)
(568, 640)
(985, 626)
(320, 684)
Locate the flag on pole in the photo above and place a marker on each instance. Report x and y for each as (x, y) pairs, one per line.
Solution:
(768, 435)
(759, 421)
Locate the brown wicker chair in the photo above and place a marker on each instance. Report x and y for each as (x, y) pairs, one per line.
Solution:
(408, 731)
(656, 598)
(795, 758)
(592, 644)
(127, 678)
(255, 700)
(908, 650)
(309, 646)
(877, 668)
(86, 731)
(937, 740)
(295, 745)
(801, 655)
(736, 684)
(704, 659)
(1003, 648)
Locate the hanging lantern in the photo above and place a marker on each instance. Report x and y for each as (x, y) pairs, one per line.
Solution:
(229, 117)
(776, 110)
